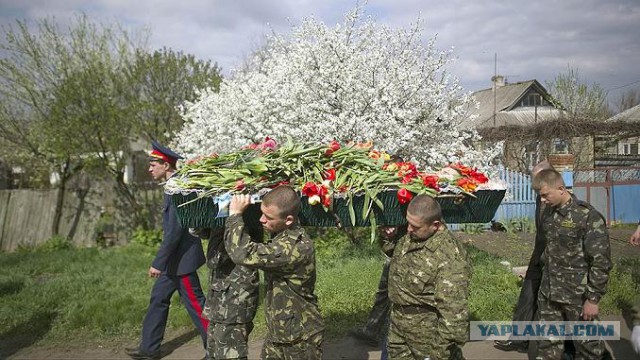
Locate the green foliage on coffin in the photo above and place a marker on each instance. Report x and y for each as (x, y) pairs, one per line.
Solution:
(202, 212)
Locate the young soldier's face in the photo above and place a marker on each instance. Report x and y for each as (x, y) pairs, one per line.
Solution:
(271, 219)
(552, 195)
(158, 170)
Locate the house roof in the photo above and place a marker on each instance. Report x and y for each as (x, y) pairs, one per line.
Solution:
(629, 115)
(507, 112)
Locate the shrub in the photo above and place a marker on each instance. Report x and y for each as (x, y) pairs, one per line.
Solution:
(330, 243)
(472, 228)
(147, 237)
(630, 266)
(522, 224)
(622, 292)
(57, 242)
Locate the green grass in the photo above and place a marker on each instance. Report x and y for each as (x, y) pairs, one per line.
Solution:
(494, 289)
(619, 225)
(91, 295)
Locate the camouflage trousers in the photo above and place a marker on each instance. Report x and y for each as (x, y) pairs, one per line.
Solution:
(310, 349)
(552, 349)
(228, 341)
(415, 336)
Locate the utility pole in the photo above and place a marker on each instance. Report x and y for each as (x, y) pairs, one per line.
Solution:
(495, 85)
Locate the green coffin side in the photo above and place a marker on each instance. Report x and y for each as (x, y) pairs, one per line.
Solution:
(202, 212)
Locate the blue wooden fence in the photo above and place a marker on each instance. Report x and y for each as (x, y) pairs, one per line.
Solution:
(520, 199)
(615, 192)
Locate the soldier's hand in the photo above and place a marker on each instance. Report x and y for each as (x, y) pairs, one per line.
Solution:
(154, 273)
(388, 232)
(589, 310)
(239, 203)
(635, 237)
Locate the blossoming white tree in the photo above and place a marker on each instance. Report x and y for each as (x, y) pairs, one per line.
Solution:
(356, 81)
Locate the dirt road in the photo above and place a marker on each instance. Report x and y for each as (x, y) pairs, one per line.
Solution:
(515, 247)
(185, 347)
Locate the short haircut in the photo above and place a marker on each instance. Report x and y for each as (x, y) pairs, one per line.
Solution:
(426, 208)
(285, 199)
(543, 165)
(548, 177)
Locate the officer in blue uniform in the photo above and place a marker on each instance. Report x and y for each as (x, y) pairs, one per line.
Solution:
(174, 267)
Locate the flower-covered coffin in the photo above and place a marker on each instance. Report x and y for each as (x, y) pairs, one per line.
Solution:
(202, 212)
(347, 186)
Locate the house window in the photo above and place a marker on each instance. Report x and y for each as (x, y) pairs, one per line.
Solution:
(531, 154)
(533, 99)
(630, 149)
(606, 145)
(560, 146)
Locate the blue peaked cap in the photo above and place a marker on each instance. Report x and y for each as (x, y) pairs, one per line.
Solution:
(163, 153)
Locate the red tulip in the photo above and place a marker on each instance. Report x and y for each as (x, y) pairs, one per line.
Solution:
(404, 196)
(326, 200)
(333, 147)
(479, 177)
(430, 181)
(330, 174)
(239, 185)
(406, 179)
(322, 191)
(464, 170)
(310, 189)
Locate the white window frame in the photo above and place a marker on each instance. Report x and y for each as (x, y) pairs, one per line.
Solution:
(627, 149)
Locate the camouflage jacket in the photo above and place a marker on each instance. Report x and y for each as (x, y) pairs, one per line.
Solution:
(434, 275)
(289, 264)
(233, 294)
(577, 256)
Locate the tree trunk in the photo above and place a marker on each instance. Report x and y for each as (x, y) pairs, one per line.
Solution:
(62, 186)
(135, 209)
(81, 192)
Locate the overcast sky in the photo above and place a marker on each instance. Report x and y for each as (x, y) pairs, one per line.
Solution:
(533, 39)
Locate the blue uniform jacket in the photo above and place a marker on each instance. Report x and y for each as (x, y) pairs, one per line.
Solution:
(180, 252)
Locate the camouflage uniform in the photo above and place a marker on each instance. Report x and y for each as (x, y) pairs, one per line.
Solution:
(232, 301)
(428, 289)
(294, 324)
(576, 264)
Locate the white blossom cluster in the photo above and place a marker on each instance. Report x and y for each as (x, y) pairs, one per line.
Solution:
(357, 81)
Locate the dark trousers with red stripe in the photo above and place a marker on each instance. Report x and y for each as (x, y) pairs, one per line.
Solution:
(188, 286)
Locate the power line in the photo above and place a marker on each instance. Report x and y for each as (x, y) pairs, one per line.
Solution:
(623, 86)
